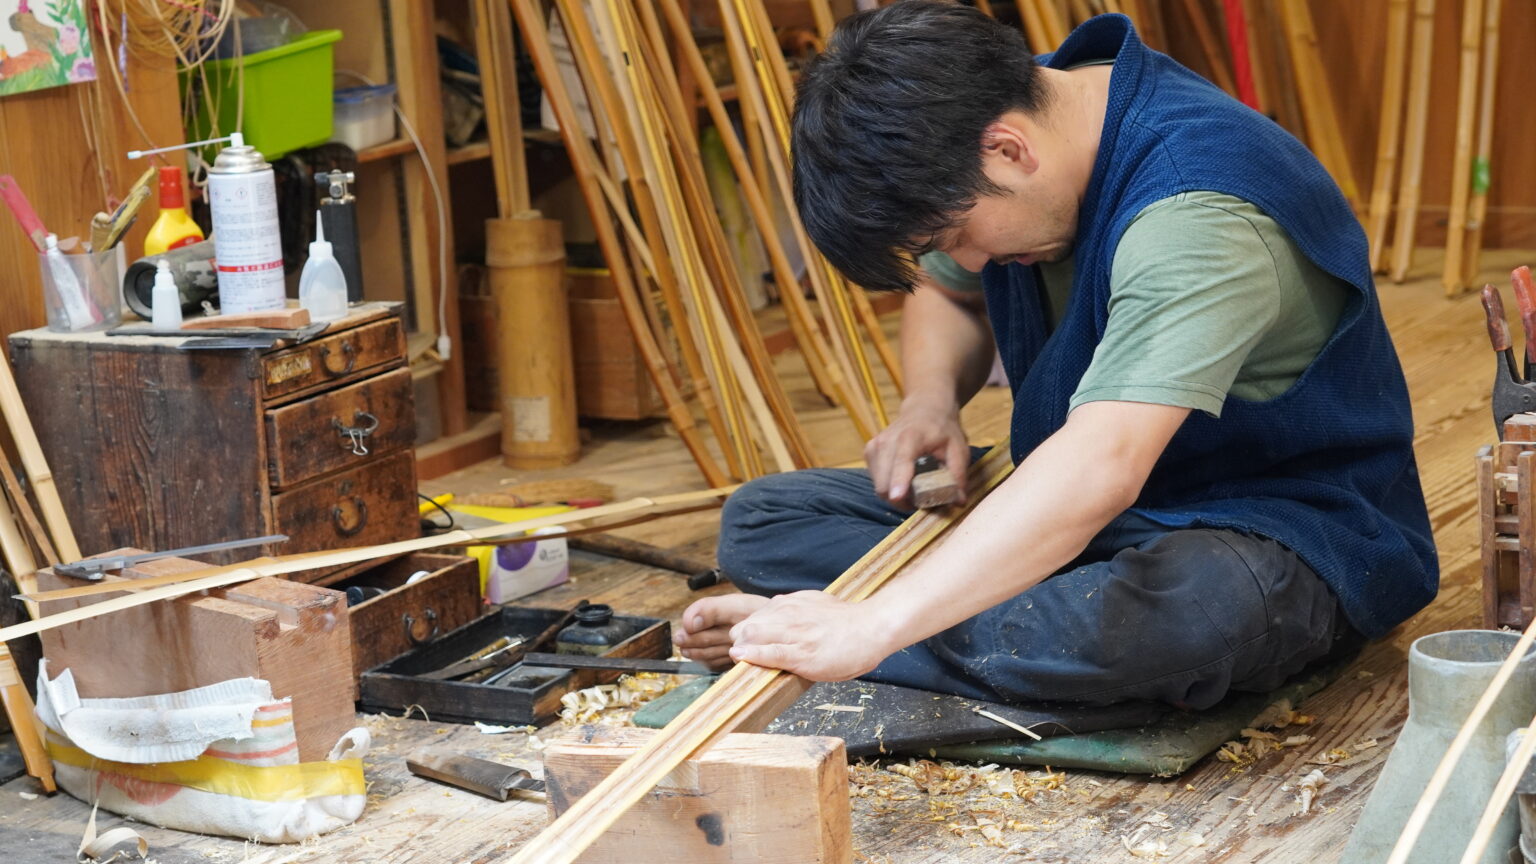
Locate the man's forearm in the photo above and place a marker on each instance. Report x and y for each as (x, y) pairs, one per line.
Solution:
(1033, 524)
(946, 347)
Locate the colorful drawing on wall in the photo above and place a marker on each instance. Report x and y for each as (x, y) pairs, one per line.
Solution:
(43, 43)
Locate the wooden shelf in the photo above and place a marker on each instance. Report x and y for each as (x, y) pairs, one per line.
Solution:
(387, 150)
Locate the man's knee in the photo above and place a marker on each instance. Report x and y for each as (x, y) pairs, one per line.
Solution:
(747, 528)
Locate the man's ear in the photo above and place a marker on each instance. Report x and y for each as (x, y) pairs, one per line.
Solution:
(1007, 146)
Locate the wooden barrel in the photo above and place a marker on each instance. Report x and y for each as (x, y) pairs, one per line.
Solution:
(525, 260)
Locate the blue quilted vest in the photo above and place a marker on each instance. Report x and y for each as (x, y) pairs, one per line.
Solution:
(1326, 468)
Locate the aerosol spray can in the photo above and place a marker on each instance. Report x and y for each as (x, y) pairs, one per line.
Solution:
(242, 193)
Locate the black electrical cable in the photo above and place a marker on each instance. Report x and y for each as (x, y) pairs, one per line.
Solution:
(428, 526)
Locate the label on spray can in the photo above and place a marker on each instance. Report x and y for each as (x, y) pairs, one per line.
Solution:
(250, 249)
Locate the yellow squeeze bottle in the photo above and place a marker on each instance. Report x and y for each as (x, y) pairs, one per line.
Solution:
(174, 227)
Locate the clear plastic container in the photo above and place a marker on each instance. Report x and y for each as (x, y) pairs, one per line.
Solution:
(81, 291)
(364, 116)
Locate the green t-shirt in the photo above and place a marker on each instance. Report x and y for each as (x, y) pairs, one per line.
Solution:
(1208, 297)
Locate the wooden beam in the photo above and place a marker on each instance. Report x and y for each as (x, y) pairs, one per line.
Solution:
(752, 798)
(747, 695)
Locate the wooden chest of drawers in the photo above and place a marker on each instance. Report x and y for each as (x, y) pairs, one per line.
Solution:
(157, 447)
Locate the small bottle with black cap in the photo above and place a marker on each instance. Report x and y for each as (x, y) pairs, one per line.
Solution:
(595, 631)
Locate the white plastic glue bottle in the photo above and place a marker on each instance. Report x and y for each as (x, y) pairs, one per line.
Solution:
(322, 285)
(165, 300)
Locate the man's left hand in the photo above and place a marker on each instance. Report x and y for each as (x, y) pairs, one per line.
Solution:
(814, 635)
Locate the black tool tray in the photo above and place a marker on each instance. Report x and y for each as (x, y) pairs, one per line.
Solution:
(530, 697)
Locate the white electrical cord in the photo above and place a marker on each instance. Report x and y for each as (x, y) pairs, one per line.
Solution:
(444, 344)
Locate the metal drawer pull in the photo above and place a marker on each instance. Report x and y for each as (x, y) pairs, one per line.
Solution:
(410, 626)
(355, 434)
(362, 518)
(348, 351)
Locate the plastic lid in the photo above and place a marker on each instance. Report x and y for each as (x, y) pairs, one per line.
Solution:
(353, 95)
(319, 247)
(172, 196)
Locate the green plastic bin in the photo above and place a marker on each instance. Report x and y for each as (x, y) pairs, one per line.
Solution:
(287, 95)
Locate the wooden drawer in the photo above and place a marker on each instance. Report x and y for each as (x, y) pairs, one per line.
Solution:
(332, 358)
(370, 504)
(409, 616)
(305, 438)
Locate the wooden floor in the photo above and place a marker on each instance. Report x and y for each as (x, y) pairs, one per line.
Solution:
(1239, 814)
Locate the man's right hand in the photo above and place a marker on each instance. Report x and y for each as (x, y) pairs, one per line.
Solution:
(924, 426)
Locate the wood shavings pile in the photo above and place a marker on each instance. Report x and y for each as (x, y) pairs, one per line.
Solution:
(1256, 742)
(979, 803)
(614, 704)
(1150, 838)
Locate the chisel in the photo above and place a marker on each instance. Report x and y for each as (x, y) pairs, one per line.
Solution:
(481, 776)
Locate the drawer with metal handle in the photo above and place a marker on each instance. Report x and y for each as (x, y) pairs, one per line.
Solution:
(408, 602)
(340, 428)
(289, 372)
(372, 503)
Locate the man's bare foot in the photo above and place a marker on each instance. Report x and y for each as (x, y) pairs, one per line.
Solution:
(705, 632)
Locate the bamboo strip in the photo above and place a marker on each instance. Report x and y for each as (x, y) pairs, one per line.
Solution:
(813, 347)
(22, 507)
(1389, 133)
(661, 505)
(536, 38)
(985, 7)
(1461, 161)
(744, 694)
(503, 117)
(1210, 46)
(821, 11)
(1317, 98)
(36, 465)
(20, 710)
(1414, 132)
(611, 103)
(1438, 780)
(1478, 209)
(871, 322)
(829, 286)
(756, 83)
(1502, 791)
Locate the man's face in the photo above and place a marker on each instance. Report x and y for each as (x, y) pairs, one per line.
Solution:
(1032, 218)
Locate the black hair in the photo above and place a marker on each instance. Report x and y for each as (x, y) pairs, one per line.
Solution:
(888, 126)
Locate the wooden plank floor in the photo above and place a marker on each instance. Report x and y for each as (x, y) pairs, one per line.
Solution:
(1243, 815)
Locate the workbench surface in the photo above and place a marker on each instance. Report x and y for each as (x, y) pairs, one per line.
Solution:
(1242, 814)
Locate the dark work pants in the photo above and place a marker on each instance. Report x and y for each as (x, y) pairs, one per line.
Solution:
(1178, 616)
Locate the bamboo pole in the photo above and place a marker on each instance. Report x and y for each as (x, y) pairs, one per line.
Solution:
(20, 506)
(1442, 775)
(821, 11)
(622, 51)
(1210, 46)
(744, 695)
(1317, 98)
(758, 85)
(583, 160)
(1417, 126)
(608, 102)
(812, 345)
(1034, 27)
(1389, 133)
(986, 8)
(20, 710)
(1257, 64)
(1055, 25)
(829, 286)
(1477, 215)
(702, 213)
(503, 116)
(36, 465)
(1461, 162)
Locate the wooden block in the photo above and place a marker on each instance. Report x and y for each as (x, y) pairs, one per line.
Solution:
(934, 489)
(277, 319)
(764, 799)
(293, 635)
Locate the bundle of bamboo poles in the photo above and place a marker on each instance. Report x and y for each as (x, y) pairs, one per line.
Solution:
(645, 186)
(1404, 127)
